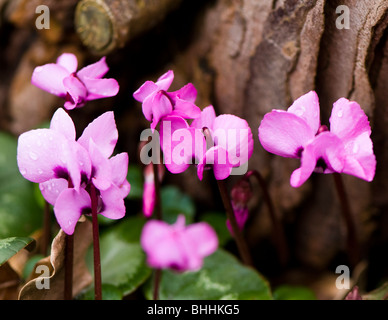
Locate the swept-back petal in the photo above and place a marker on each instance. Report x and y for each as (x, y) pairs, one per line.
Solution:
(69, 207)
(104, 133)
(217, 159)
(100, 88)
(145, 90)
(76, 90)
(160, 105)
(51, 189)
(206, 119)
(350, 123)
(165, 80)
(307, 108)
(119, 165)
(62, 123)
(40, 153)
(284, 134)
(49, 77)
(327, 148)
(68, 61)
(94, 71)
(234, 134)
(113, 204)
(101, 168)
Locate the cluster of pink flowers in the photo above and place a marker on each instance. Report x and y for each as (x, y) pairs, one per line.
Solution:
(67, 168)
(64, 167)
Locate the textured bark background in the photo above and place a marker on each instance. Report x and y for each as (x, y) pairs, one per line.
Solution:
(245, 57)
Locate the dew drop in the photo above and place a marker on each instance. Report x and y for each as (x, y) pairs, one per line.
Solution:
(340, 114)
(49, 187)
(33, 155)
(23, 171)
(41, 187)
(40, 171)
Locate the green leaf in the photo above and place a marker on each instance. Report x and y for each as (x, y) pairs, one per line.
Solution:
(11, 246)
(221, 278)
(123, 262)
(135, 178)
(287, 292)
(20, 214)
(174, 202)
(30, 265)
(218, 221)
(109, 292)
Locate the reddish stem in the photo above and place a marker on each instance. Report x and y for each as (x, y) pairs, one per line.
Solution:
(96, 245)
(278, 232)
(353, 247)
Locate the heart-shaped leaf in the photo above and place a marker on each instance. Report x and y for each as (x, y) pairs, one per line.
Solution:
(221, 277)
(287, 292)
(20, 214)
(123, 262)
(11, 246)
(174, 202)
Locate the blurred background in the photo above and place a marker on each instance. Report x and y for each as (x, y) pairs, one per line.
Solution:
(245, 57)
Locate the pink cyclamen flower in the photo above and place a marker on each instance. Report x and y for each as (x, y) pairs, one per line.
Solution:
(178, 247)
(66, 168)
(229, 145)
(297, 133)
(158, 103)
(76, 87)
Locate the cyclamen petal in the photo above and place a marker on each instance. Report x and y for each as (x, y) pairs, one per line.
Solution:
(69, 207)
(76, 90)
(307, 108)
(100, 88)
(94, 71)
(68, 61)
(176, 246)
(103, 132)
(61, 122)
(113, 206)
(51, 189)
(50, 78)
(284, 133)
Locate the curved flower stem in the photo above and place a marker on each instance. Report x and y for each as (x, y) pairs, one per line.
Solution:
(158, 212)
(278, 232)
(69, 257)
(69, 249)
(46, 229)
(96, 246)
(157, 278)
(353, 247)
(240, 241)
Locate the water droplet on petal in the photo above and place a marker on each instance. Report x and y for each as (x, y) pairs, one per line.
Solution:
(40, 171)
(340, 114)
(38, 69)
(23, 171)
(41, 187)
(33, 155)
(39, 143)
(49, 187)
